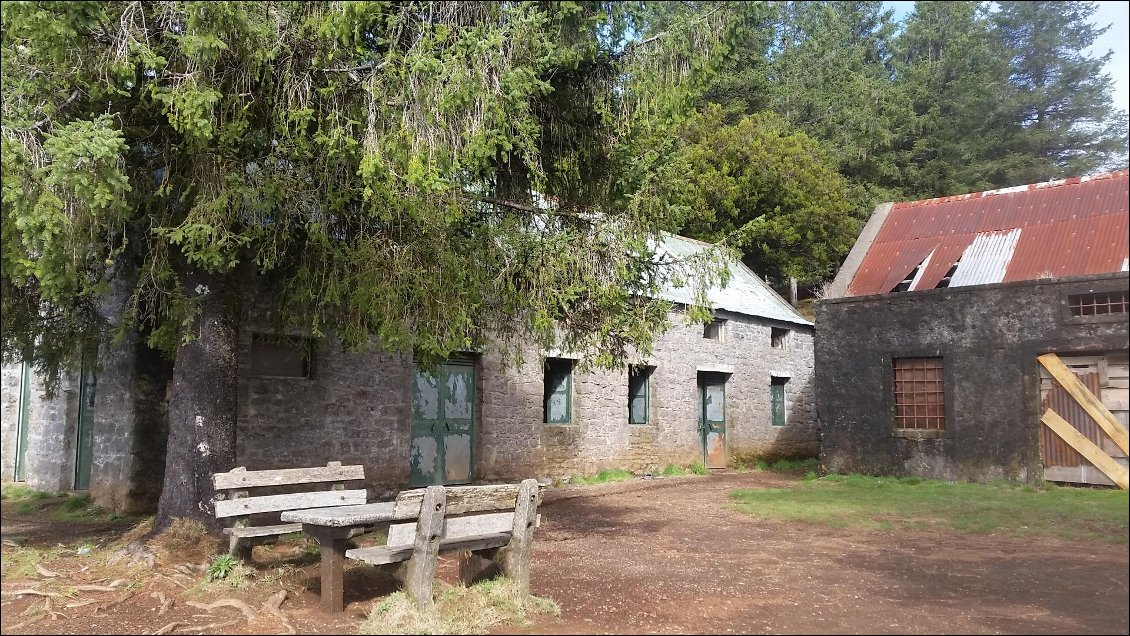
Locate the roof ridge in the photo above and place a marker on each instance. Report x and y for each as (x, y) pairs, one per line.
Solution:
(1054, 183)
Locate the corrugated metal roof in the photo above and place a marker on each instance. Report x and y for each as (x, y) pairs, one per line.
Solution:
(1070, 227)
(745, 293)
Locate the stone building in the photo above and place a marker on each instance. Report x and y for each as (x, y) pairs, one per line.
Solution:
(928, 344)
(741, 385)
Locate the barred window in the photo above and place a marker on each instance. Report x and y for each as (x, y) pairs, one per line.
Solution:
(919, 394)
(1099, 304)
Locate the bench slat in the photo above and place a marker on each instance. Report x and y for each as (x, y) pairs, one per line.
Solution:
(380, 555)
(295, 501)
(461, 500)
(286, 476)
(263, 531)
(453, 528)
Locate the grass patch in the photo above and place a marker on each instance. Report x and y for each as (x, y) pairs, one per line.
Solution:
(671, 470)
(12, 491)
(1020, 510)
(604, 477)
(698, 468)
(20, 562)
(458, 610)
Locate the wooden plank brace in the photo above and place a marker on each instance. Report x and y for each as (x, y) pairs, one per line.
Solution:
(1117, 472)
(419, 572)
(514, 559)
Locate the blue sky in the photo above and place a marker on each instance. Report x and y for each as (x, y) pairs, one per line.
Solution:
(1117, 39)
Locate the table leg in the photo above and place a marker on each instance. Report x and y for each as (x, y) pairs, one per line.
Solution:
(331, 542)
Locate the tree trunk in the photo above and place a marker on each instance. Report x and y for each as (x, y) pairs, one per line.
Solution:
(202, 403)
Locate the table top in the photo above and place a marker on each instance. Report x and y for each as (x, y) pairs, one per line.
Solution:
(343, 516)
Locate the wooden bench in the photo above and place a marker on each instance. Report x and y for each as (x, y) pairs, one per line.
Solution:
(492, 522)
(234, 501)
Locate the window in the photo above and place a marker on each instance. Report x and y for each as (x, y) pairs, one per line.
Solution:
(919, 394)
(281, 356)
(714, 330)
(639, 380)
(558, 390)
(779, 337)
(777, 399)
(1098, 304)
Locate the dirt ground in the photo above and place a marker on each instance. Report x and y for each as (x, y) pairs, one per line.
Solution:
(673, 556)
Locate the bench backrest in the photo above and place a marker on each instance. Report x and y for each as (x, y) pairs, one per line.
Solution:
(237, 481)
(484, 510)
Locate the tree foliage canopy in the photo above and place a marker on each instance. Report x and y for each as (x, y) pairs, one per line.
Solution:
(425, 173)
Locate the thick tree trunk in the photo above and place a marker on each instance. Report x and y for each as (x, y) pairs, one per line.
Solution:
(202, 403)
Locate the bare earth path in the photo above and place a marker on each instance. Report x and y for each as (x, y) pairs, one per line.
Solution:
(674, 556)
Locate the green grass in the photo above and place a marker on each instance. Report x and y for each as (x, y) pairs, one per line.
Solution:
(458, 610)
(12, 491)
(843, 501)
(698, 468)
(604, 477)
(671, 470)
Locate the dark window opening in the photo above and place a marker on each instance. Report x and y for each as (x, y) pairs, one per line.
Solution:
(777, 399)
(1099, 304)
(945, 282)
(275, 356)
(906, 282)
(714, 330)
(639, 381)
(778, 337)
(919, 394)
(558, 389)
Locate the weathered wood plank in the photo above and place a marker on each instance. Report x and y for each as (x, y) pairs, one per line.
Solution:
(385, 554)
(275, 503)
(514, 558)
(455, 527)
(420, 571)
(1086, 399)
(262, 531)
(243, 478)
(344, 516)
(461, 500)
(1117, 472)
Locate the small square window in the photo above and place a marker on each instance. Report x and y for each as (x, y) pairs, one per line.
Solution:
(715, 330)
(558, 391)
(275, 356)
(779, 338)
(639, 381)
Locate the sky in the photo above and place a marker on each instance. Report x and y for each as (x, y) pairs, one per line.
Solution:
(1117, 39)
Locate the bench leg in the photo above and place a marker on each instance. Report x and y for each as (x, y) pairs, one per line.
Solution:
(239, 548)
(514, 559)
(419, 572)
(331, 542)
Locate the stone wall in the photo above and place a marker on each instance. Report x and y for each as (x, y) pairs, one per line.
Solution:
(988, 337)
(52, 436)
(355, 408)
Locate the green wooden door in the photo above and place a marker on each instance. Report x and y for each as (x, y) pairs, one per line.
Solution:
(21, 421)
(84, 450)
(712, 420)
(443, 425)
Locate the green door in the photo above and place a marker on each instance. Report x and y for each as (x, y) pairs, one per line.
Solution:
(777, 400)
(21, 421)
(84, 450)
(443, 425)
(712, 419)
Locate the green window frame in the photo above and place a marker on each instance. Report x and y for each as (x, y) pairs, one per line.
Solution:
(557, 406)
(639, 392)
(777, 400)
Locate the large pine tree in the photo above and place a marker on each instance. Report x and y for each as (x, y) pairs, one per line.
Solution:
(415, 175)
(1063, 98)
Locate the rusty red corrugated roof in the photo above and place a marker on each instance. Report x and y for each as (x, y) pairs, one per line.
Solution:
(1069, 227)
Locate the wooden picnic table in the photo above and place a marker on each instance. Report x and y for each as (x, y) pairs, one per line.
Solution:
(331, 527)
